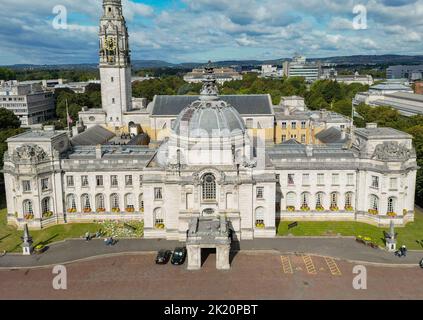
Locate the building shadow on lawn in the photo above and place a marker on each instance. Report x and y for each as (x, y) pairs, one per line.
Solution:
(6, 236)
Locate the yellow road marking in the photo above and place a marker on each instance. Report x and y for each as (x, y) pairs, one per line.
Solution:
(286, 264)
(309, 265)
(333, 267)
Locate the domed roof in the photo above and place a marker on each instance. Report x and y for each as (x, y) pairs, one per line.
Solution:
(209, 116)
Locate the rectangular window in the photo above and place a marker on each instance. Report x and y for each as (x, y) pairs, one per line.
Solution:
(99, 181)
(375, 182)
(69, 181)
(283, 125)
(114, 181)
(320, 179)
(45, 185)
(393, 183)
(335, 179)
(306, 179)
(291, 179)
(283, 137)
(84, 181)
(260, 193)
(26, 185)
(249, 123)
(128, 180)
(140, 181)
(303, 124)
(303, 138)
(158, 194)
(350, 179)
(293, 125)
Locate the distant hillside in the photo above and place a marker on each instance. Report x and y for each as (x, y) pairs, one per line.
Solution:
(341, 60)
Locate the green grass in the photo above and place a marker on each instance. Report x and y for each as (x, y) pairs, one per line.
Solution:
(410, 235)
(10, 237)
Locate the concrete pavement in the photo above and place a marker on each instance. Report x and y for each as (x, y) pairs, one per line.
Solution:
(341, 248)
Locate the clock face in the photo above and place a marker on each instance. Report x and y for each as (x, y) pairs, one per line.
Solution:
(110, 44)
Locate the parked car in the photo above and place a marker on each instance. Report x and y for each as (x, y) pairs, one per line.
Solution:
(163, 256)
(178, 256)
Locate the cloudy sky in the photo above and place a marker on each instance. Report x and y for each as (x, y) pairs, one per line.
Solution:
(199, 30)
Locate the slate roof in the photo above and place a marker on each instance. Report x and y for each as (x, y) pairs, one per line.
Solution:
(93, 136)
(244, 104)
(331, 135)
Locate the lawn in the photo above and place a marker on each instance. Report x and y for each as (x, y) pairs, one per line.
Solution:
(10, 237)
(411, 235)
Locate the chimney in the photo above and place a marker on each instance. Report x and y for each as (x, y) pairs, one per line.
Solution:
(98, 152)
(371, 125)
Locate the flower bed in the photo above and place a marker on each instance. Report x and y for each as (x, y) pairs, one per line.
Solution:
(334, 208)
(29, 216)
(131, 229)
(320, 209)
(71, 210)
(260, 225)
(366, 241)
(305, 208)
(160, 226)
(290, 208)
(130, 210)
(391, 214)
(47, 214)
(101, 210)
(373, 212)
(349, 208)
(115, 210)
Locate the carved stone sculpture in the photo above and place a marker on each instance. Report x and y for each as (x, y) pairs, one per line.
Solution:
(391, 150)
(30, 153)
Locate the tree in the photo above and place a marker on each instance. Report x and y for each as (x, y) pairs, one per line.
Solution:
(8, 120)
(7, 74)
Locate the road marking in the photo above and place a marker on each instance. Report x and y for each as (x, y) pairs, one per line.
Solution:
(309, 265)
(286, 265)
(333, 267)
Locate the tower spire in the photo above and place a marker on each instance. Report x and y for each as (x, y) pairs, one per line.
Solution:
(210, 90)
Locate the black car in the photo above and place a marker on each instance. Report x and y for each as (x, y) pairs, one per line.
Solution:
(178, 256)
(163, 256)
(421, 263)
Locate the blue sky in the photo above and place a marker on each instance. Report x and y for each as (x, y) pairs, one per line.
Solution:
(202, 30)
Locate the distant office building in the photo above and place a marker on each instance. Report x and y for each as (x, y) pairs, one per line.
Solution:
(77, 87)
(409, 72)
(270, 71)
(222, 75)
(299, 67)
(332, 74)
(29, 102)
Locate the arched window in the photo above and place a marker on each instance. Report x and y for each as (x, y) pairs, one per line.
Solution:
(291, 199)
(260, 216)
(305, 200)
(391, 205)
(114, 201)
(27, 207)
(100, 204)
(158, 217)
(320, 200)
(129, 202)
(374, 202)
(46, 205)
(334, 200)
(209, 187)
(349, 201)
(86, 203)
(141, 201)
(71, 202)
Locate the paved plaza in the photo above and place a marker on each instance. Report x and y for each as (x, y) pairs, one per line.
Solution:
(254, 275)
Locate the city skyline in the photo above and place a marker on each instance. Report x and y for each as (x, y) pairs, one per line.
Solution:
(194, 31)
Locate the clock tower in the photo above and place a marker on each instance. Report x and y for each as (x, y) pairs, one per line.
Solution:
(115, 64)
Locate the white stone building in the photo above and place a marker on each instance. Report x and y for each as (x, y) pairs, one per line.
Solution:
(211, 161)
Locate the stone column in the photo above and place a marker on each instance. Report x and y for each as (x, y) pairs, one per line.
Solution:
(222, 257)
(194, 257)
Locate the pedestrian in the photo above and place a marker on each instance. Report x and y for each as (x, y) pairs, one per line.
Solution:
(404, 251)
(87, 236)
